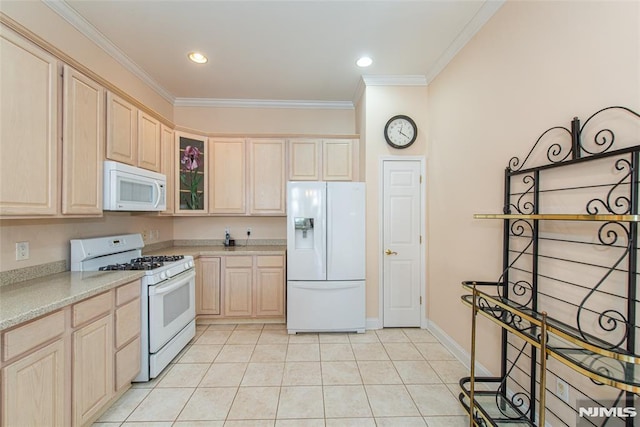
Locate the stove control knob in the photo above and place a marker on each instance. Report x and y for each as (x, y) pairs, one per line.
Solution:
(163, 275)
(191, 264)
(186, 265)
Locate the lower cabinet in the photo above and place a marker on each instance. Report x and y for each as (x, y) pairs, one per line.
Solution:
(92, 369)
(240, 286)
(207, 285)
(66, 367)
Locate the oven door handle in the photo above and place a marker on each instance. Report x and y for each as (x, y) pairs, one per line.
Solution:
(165, 289)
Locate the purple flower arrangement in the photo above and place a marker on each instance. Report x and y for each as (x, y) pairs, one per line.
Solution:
(190, 178)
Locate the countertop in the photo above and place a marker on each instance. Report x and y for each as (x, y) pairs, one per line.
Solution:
(23, 301)
(217, 250)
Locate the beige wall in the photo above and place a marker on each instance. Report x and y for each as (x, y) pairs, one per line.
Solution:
(379, 105)
(47, 24)
(49, 238)
(274, 121)
(532, 66)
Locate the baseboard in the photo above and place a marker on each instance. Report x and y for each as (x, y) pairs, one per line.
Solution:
(456, 349)
(373, 323)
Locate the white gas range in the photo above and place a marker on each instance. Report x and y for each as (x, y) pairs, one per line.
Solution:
(167, 294)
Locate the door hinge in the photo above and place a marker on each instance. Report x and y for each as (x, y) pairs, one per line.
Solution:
(420, 179)
(420, 239)
(420, 299)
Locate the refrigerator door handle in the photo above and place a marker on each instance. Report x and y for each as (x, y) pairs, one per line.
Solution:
(323, 286)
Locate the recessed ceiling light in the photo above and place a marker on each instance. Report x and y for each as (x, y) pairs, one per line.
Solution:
(365, 61)
(198, 58)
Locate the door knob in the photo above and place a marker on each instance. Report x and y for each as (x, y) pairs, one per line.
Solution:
(390, 252)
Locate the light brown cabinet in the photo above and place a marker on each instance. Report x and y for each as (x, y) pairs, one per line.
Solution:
(66, 367)
(191, 174)
(133, 136)
(92, 369)
(149, 144)
(227, 176)
(322, 159)
(267, 176)
(28, 128)
(254, 286)
(122, 130)
(168, 166)
(82, 144)
(207, 285)
(37, 355)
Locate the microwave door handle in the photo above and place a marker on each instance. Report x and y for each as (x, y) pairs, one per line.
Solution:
(155, 205)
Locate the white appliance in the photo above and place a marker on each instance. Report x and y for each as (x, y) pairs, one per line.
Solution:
(127, 188)
(167, 296)
(325, 256)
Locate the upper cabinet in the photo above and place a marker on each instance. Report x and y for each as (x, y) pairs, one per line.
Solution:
(122, 130)
(82, 144)
(227, 176)
(28, 128)
(149, 145)
(322, 159)
(191, 186)
(168, 167)
(133, 136)
(267, 176)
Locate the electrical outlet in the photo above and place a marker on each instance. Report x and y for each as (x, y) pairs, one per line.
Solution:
(22, 251)
(248, 231)
(156, 234)
(145, 235)
(562, 390)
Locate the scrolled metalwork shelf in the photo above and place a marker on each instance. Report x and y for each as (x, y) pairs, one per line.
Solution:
(490, 407)
(603, 365)
(562, 217)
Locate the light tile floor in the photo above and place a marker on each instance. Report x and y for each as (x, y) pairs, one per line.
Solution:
(257, 375)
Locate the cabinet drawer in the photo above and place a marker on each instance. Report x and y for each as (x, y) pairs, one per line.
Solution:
(91, 308)
(31, 335)
(127, 364)
(238, 261)
(126, 293)
(270, 261)
(127, 322)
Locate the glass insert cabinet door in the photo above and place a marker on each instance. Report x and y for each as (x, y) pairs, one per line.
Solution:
(191, 181)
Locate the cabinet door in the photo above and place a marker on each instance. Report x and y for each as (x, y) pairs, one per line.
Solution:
(237, 292)
(33, 389)
(208, 285)
(270, 291)
(122, 129)
(148, 142)
(267, 177)
(227, 176)
(304, 160)
(82, 144)
(337, 160)
(191, 184)
(168, 165)
(92, 369)
(28, 128)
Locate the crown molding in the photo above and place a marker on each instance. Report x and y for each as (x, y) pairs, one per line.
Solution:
(409, 80)
(486, 11)
(262, 103)
(76, 20)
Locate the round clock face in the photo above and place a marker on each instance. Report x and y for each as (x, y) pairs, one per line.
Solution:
(400, 131)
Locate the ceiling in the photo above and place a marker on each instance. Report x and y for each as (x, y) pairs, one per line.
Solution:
(297, 51)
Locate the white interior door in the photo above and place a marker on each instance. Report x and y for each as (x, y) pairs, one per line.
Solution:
(401, 243)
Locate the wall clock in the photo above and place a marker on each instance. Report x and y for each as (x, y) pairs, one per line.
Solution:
(400, 131)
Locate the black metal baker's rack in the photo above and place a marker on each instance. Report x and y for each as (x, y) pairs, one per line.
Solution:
(570, 291)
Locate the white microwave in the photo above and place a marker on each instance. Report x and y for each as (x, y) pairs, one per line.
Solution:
(128, 188)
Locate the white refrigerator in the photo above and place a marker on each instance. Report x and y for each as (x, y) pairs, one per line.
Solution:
(325, 257)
